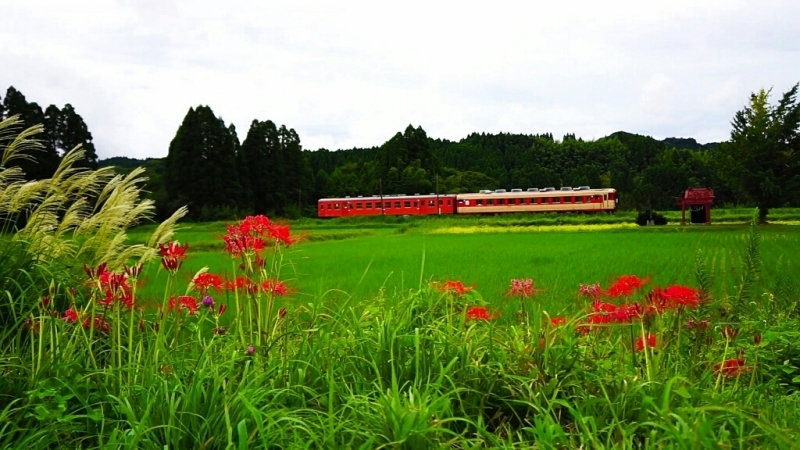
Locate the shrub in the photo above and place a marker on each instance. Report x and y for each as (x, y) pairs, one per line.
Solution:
(644, 216)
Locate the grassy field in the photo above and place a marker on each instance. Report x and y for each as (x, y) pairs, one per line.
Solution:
(357, 259)
(366, 354)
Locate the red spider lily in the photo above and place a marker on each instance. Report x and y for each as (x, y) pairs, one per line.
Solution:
(260, 262)
(558, 321)
(184, 301)
(107, 301)
(590, 290)
(33, 324)
(656, 302)
(133, 271)
(115, 288)
(172, 255)
(732, 367)
(207, 280)
(691, 323)
(453, 287)
(99, 323)
(282, 313)
(478, 313)
(681, 296)
(601, 307)
(729, 332)
(275, 287)
(606, 313)
(646, 342)
(255, 224)
(625, 286)
(757, 339)
(44, 302)
(240, 283)
(70, 316)
(94, 274)
(522, 288)
(282, 234)
(627, 313)
(221, 309)
(238, 241)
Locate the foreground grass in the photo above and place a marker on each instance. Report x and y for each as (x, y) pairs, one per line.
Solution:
(368, 354)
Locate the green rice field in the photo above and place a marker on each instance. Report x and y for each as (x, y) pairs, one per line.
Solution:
(353, 260)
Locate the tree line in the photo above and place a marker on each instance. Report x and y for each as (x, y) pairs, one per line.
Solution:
(220, 177)
(64, 129)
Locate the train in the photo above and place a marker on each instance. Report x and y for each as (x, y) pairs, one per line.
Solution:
(499, 201)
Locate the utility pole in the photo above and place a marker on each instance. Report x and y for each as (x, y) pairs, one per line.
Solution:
(380, 190)
(438, 205)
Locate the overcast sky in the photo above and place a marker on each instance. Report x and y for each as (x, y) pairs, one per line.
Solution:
(354, 74)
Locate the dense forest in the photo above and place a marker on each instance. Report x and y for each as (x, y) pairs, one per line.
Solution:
(64, 129)
(218, 176)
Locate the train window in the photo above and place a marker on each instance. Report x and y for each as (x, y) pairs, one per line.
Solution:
(611, 196)
(358, 205)
(329, 206)
(490, 202)
(579, 199)
(479, 202)
(448, 202)
(416, 204)
(369, 205)
(387, 205)
(441, 202)
(336, 206)
(396, 204)
(501, 201)
(407, 204)
(431, 202)
(605, 196)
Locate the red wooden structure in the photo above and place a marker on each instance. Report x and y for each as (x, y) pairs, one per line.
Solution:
(699, 200)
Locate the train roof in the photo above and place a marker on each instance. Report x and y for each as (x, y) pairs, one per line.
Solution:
(373, 198)
(526, 194)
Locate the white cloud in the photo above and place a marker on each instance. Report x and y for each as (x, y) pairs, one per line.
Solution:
(350, 74)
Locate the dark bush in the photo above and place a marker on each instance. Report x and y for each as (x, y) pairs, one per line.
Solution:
(644, 216)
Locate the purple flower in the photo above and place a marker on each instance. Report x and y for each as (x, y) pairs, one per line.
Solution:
(208, 302)
(251, 350)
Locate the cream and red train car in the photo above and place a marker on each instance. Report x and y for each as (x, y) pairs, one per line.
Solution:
(572, 200)
(387, 205)
(486, 202)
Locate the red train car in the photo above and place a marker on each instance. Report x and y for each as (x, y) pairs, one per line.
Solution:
(387, 205)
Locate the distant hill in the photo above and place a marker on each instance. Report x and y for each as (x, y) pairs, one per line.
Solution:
(123, 164)
(688, 144)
